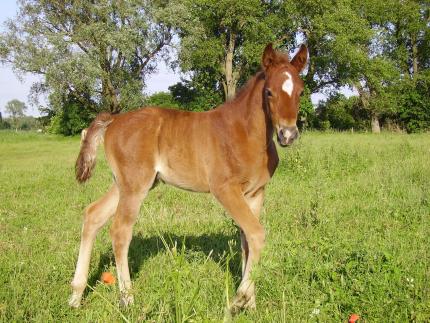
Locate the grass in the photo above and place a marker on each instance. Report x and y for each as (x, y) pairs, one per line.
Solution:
(346, 217)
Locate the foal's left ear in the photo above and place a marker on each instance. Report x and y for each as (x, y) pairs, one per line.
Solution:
(299, 60)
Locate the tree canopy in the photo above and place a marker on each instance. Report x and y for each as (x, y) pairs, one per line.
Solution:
(96, 55)
(99, 52)
(227, 38)
(15, 109)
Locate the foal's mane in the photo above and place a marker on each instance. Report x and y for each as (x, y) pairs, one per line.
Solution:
(281, 59)
(244, 90)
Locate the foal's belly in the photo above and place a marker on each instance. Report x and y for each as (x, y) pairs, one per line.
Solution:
(188, 178)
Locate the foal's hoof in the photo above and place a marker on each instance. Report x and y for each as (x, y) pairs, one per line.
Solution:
(241, 302)
(126, 300)
(75, 300)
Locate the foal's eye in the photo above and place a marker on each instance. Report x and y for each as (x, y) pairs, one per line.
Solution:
(269, 93)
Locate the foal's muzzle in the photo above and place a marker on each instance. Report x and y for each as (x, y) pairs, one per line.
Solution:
(287, 135)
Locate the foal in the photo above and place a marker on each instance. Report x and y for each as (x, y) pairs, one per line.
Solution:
(228, 151)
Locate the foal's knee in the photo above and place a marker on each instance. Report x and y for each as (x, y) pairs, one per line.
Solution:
(256, 240)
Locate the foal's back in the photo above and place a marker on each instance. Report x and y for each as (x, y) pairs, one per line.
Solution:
(172, 144)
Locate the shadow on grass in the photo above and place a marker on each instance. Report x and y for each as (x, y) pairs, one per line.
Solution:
(143, 248)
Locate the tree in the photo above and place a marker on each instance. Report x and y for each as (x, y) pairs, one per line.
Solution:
(225, 40)
(98, 51)
(3, 123)
(393, 53)
(338, 37)
(367, 45)
(334, 33)
(15, 109)
(162, 99)
(342, 113)
(194, 96)
(413, 101)
(406, 30)
(71, 119)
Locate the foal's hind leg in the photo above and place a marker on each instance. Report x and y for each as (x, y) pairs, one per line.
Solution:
(131, 197)
(231, 197)
(95, 216)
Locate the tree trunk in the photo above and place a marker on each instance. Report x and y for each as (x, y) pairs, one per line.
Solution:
(376, 128)
(364, 98)
(230, 82)
(414, 55)
(110, 96)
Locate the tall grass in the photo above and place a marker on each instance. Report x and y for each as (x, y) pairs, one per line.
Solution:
(346, 217)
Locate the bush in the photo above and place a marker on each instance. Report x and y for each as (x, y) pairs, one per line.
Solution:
(162, 99)
(70, 120)
(341, 113)
(4, 124)
(195, 96)
(414, 103)
(307, 115)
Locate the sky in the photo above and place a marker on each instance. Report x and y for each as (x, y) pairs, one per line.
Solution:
(13, 88)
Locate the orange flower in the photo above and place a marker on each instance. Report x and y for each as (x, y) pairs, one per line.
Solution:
(107, 278)
(353, 318)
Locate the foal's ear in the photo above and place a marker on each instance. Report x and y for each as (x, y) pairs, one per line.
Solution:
(269, 56)
(299, 60)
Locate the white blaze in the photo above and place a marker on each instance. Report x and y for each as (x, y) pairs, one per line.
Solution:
(287, 134)
(288, 86)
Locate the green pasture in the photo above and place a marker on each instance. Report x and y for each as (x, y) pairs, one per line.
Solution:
(347, 218)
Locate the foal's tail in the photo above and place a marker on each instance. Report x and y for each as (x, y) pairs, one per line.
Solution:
(90, 139)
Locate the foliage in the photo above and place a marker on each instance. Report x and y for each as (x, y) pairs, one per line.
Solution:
(162, 99)
(348, 234)
(15, 109)
(307, 116)
(184, 96)
(226, 39)
(99, 52)
(71, 119)
(414, 103)
(195, 96)
(21, 123)
(28, 123)
(341, 113)
(4, 124)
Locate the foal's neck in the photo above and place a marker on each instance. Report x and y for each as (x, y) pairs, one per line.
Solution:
(249, 107)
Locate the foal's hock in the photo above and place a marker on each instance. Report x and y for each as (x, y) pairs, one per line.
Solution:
(228, 151)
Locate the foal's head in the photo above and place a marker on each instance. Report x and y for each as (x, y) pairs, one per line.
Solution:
(282, 90)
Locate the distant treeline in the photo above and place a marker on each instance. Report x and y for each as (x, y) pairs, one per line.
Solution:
(96, 56)
(23, 123)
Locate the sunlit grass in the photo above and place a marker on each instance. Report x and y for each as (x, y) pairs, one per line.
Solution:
(346, 216)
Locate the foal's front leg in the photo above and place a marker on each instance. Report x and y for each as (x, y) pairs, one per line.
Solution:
(232, 198)
(133, 190)
(255, 203)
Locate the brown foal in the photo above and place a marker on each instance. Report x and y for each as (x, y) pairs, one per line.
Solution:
(228, 151)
